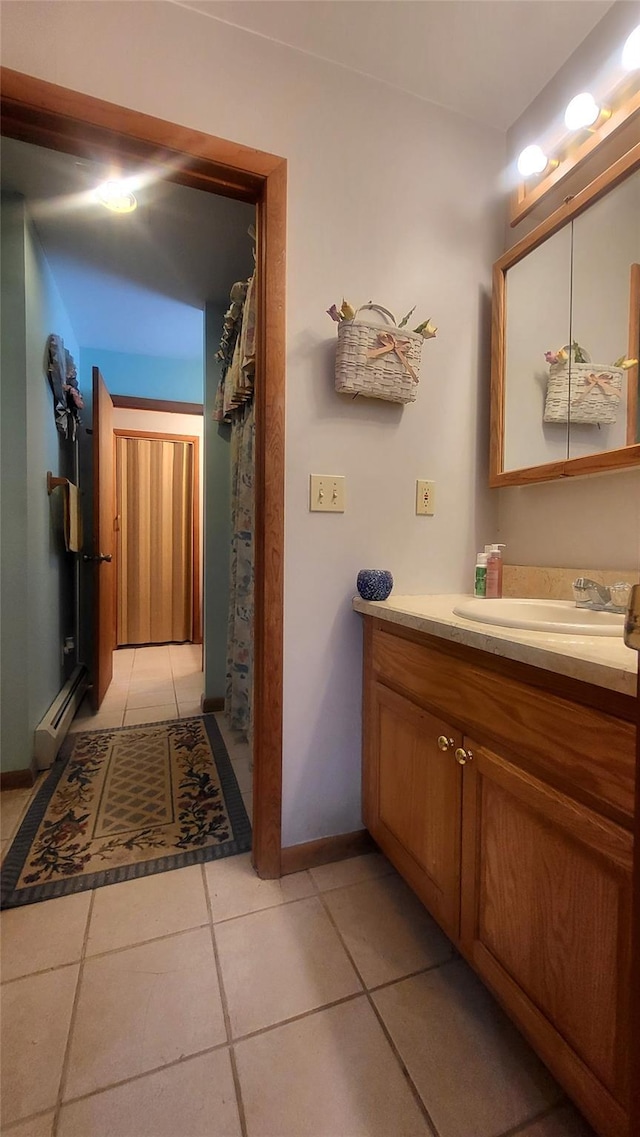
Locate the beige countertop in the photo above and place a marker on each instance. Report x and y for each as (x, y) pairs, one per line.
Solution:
(602, 660)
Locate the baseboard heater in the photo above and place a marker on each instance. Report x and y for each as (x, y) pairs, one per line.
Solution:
(50, 733)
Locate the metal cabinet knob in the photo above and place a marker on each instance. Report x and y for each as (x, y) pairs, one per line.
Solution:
(463, 756)
(445, 743)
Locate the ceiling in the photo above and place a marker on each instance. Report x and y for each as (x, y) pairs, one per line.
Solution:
(487, 59)
(137, 282)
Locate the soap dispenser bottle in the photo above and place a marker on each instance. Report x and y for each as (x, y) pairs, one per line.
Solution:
(480, 585)
(494, 570)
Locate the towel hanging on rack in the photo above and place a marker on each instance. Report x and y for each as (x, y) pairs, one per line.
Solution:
(72, 519)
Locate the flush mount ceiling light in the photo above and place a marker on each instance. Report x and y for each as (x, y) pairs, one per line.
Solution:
(116, 195)
(582, 112)
(532, 160)
(631, 51)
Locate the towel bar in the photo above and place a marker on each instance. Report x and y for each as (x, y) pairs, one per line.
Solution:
(53, 483)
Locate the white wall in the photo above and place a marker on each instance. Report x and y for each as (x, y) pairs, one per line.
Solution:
(588, 522)
(390, 198)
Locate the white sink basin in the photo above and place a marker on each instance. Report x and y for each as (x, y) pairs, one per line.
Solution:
(541, 616)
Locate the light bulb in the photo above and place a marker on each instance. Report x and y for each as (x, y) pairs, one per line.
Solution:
(582, 112)
(116, 195)
(631, 51)
(532, 160)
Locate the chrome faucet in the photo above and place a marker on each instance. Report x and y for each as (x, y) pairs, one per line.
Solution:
(589, 594)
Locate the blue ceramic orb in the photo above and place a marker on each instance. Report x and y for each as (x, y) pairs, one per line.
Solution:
(374, 584)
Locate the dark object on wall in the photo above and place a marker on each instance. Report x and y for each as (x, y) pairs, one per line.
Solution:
(63, 378)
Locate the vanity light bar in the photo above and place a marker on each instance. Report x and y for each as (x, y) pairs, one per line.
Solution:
(591, 125)
(582, 113)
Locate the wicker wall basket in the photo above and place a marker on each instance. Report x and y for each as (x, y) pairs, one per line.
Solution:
(596, 393)
(376, 360)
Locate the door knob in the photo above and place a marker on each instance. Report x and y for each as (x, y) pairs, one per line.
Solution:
(463, 756)
(445, 743)
(99, 558)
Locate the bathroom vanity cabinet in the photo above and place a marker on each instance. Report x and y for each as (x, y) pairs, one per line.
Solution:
(504, 795)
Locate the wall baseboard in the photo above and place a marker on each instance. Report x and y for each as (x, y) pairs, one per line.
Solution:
(309, 855)
(211, 704)
(17, 779)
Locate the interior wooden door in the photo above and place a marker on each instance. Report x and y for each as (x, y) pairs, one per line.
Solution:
(417, 802)
(103, 539)
(546, 906)
(158, 565)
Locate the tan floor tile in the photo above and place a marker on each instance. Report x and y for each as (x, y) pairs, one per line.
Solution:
(147, 671)
(142, 1008)
(41, 1126)
(332, 1074)
(235, 888)
(151, 714)
(4, 845)
(188, 667)
(116, 692)
(195, 1098)
(235, 742)
(189, 686)
(248, 804)
(189, 708)
(137, 910)
(244, 775)
(280, 963)
(36, 1012)
(564, 1122)
(144, 678)
(238, 749)
(387, 930)
(39, 936)
(473, 1070)
(13, 803)
(153, 695)
(339, 874)
(106, 721)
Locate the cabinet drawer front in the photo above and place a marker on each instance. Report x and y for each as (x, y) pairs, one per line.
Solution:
(587, 750)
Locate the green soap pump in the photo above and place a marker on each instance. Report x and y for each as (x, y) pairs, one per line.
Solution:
(480, 585)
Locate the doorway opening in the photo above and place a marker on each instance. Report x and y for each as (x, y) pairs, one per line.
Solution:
(52, 116)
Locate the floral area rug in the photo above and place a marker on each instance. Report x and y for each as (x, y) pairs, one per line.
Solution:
(125, 803)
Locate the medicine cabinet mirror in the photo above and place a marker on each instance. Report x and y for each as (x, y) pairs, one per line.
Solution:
(566, 323)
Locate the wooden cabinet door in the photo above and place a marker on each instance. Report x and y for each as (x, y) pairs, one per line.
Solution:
(545, 920)
(413, 795)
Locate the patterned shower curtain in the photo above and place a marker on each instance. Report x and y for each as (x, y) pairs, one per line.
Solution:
(239, 702)
(234, 404)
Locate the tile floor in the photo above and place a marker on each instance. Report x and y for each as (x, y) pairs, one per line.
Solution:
(207, 1003)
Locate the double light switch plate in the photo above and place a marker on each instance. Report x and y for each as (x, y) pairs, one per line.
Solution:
(326, 493)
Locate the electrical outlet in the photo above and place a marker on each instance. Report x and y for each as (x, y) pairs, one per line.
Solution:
(425, 497)
(326, 493)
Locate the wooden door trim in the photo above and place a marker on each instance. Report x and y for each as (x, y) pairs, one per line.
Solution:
(165, 406)
(198, 560)
(49, 115)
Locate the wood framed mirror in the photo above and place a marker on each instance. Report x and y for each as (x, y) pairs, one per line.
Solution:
(566, 322)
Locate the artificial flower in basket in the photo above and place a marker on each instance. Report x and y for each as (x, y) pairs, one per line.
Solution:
(380, 361)
(582, 391)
